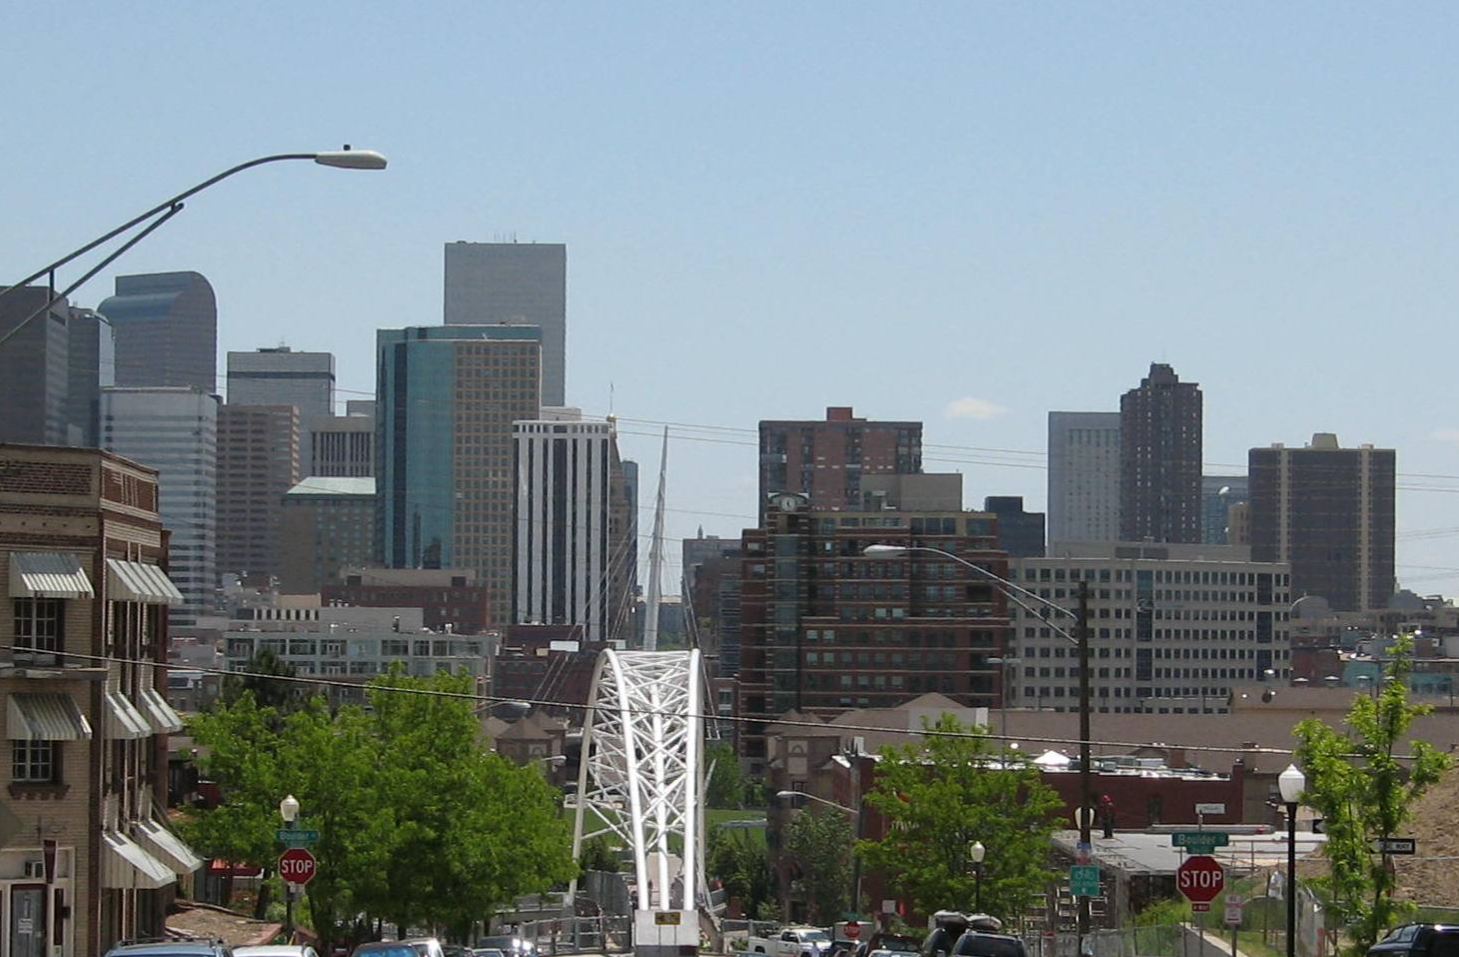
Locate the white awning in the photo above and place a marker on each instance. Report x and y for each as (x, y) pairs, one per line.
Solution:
(48, 575)
(168, 847)
(127, 866)
(48, 716)
(134, 581)
(159, 713)
(126, 721)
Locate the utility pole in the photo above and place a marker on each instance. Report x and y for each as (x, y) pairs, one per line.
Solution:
(1086, 780)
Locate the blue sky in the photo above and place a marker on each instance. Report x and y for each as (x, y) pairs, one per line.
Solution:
(773, 208)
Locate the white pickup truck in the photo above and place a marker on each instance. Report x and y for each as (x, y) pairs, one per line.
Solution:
(792, 942)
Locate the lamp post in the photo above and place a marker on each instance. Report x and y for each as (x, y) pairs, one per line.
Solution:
(1003, 664)
(855, 812)
(289, 811)
(1291, 782)
(339, 159)
(977, 852)
(1080, 639)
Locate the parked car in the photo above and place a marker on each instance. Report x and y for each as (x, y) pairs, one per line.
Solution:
(275, 950)
(427, 947)
(488, 952)
(887, 941)
(981, 943)
(456, 950)
(1419, 940)
(192, 947)
(944, 928)
(384, 948)
(792, 942)
(509, 944)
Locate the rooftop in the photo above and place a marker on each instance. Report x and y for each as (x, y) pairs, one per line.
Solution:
(326, 486)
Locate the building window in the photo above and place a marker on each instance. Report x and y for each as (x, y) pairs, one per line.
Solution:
(33, 762)
(39, 624)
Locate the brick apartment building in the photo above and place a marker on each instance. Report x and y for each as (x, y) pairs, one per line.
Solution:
(826, 460)
(89, 858)
(452, 599)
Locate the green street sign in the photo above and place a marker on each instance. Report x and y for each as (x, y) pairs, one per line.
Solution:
(296, 838)
(1084, 880)
(1200, 842)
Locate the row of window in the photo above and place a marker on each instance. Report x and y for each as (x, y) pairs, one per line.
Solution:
(1158, 576)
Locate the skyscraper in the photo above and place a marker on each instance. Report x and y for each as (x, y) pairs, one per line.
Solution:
(340, 446)
(1329, 512)
(517, 284)
(258, 462)
(571, 524)
(92, 362)
(1160, 459)
(34, 369)
(826, 459)
(281, 376)
(1218, 494)
(1084, 476)
(166, 331)
(175, 431)
(447, 398)
(1020, 533)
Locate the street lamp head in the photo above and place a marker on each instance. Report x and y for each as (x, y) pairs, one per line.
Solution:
(1291, 782)
(885, 551)
(977, 852)
(789, 795)
(351, 159)
(289, 809)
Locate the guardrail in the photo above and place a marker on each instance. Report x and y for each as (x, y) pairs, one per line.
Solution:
(579, 935)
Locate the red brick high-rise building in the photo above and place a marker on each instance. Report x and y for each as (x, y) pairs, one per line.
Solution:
(1160, 459)
(826, 460)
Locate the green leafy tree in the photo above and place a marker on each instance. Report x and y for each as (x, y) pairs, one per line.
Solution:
(598, 855)
(744, 867)
(1366, 792)
(726, 787)
(260, 678)
(946, 793)
(819, 842)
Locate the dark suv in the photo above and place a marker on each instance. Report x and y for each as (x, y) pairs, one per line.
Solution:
(981, 943)
(1420, 940)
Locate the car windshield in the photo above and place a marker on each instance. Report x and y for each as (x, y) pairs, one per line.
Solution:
(385, 950)
(813, 935)
(986, 945)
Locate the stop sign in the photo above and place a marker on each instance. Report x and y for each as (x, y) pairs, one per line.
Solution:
(852, 930)
(1200, 879)
(297, 865)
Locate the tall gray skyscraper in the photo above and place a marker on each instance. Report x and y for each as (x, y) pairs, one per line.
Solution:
(1160, 459)
(281, 376)
(92, 362)
(1084, 476)
(175, 431)
(34, 370)
(515, 283)
(166, 331)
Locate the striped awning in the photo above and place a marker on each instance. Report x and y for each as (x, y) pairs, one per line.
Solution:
(126, 721)
(159, 713)
(134, 581)
(48, 575)
(47, 716)
(127, 866)
(168, 847)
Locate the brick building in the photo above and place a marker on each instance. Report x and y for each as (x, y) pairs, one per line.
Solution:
(89, 859)
(826, 460)
(258, 461)
(1160, 459)
(453, 597)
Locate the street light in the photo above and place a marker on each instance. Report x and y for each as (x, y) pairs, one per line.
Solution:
(977, 852)
(289, 811)
(1291, 783)
(1003, 664)
(856, 855)
(1080, 639)
(339, 159)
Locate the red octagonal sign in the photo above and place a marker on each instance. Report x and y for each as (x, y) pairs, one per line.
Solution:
(297, 865)
(1200, 879)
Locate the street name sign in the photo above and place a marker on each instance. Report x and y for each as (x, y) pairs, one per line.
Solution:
(1396, 845)
(1200, 879)
(1084, 880)
(1210, 809)
(1200, 842)
(297, 865)
(295, 837)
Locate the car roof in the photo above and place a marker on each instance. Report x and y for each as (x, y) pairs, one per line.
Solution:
(271, 950)
(169, 947)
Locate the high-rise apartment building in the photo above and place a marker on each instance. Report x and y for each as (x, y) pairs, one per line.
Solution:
(1020, 532)
(571, 526)
(175, 431)
(89, 856)
(281, 376)
(826, 628)
(514, 284)
(91, 364)
(826, 460)
(711, 589)
(1084, 476)
(340, 446)
(1329, 512)
(328, 525)
(258, 462)
(34, 369)
(1160, 459)
(447, 398)
(166, 331)
(1218, 494)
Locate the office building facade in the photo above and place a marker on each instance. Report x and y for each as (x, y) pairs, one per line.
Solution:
(1160, 459)
(91, 364)
(281, 376)
(1020, 532)
(1172, 628)
(1218, 494)
(514, 284)
(166, 328)
(450, 599)
(445, 476)
(340, 446)
(258, 462)
(175, 431)
(1329, 512)
(34, 369)
(826, 460)
(328, 525)
(570, 526)
(1084, 477)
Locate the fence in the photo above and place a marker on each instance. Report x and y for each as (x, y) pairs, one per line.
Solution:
(579, 935)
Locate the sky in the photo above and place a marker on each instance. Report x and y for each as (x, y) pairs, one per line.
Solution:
(964, 213)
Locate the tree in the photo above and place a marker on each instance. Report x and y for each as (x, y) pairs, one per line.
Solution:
(941, 796)
(726, 787)
(1365, 792)
(820, 843)
(260, 678)
(744, 868)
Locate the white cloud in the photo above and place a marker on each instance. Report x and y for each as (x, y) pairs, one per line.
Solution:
(1445, 434)
(970, 407)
